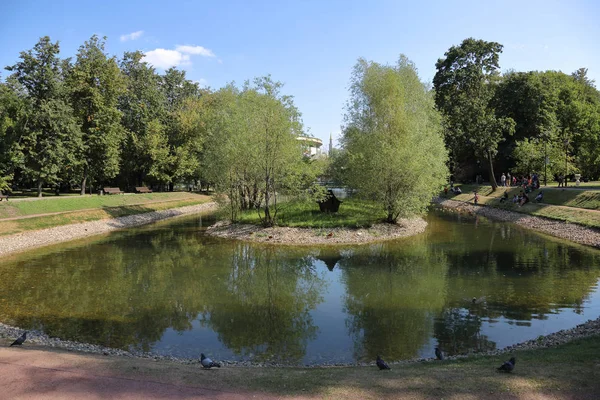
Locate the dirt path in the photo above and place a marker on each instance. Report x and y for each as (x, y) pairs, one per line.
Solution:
(35, 374)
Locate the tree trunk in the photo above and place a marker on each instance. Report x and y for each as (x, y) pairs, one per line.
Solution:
(84, 180)
(39, 187)
(492, 177)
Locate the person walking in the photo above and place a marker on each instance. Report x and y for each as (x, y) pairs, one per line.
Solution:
(508, 179)
(503, 179)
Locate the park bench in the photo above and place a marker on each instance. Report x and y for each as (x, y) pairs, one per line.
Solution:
(142, 189)
(3, 196)
(113, 190)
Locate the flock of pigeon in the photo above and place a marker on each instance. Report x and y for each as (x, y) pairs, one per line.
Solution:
(207, 363)
(508, 366)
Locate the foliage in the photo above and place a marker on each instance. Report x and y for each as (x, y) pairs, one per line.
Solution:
(50, 137)
(465, 83)
(394, 149)
(96, 83)
(253, 148)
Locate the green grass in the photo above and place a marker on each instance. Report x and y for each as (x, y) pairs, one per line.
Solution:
(353, 213)
(581, 198)
(568, 371)
(60, 204)
(9, 227)
(575, 206)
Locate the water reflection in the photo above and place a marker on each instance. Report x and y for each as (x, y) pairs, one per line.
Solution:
(170, 289)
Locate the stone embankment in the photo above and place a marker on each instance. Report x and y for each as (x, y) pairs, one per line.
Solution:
(27, 240)
(318, 236)
(564, 230)
(587, 329)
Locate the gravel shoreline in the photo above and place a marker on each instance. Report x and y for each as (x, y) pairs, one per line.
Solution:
(587, 329)
(27, 240)
(312, 236)
(560, 229)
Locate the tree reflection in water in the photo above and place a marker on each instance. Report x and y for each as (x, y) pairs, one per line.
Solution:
(260, 302)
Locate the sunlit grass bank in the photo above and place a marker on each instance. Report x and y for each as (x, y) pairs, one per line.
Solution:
(353, 213)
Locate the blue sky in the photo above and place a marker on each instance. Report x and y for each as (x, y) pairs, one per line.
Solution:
(310, 45)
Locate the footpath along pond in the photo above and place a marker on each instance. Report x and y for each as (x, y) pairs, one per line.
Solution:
(170, 289)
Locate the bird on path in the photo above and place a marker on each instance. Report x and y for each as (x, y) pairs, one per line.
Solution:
(439, 354)
(508, 366)
(207, 362)
(20, 340)
(382, 364)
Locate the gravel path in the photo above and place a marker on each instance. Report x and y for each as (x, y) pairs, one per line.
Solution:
(564, 230)
(309, 236)
(26, 240)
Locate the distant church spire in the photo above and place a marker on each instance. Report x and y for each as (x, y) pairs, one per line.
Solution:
(330, 143)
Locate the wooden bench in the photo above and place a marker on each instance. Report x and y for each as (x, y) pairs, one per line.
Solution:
(113, 190)
(142, 189)
(3, 196)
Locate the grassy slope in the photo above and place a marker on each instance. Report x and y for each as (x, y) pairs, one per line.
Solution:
(352, 213)
(60, 204)
(568, 371)
(576, 206)
(151, 203)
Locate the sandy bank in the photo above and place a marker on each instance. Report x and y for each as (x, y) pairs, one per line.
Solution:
(564, 230)
(312, 236)
(27, 240)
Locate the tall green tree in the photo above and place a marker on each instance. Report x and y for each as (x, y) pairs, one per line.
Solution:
(253, 148)
(392, 139)
(50, 137)
(465, 83)
(13, 108)
(142, 103)
(95, 82)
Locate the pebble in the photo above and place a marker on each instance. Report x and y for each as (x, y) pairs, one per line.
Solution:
(26, 240)
(587, 329)
(308, 236)
(576, 233)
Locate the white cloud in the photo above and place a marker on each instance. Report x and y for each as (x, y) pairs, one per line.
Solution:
(163, 58)
(202, 82)
(132, 36)
(195, 50)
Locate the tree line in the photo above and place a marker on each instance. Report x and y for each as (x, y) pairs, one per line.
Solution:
(523, 122)
(102, 120)
(97, 119)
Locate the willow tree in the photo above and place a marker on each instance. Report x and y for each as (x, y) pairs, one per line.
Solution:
(395, 152)
(252, 147)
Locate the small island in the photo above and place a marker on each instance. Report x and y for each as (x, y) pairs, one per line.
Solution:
(301, 223)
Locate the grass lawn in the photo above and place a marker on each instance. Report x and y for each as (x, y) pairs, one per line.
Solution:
(21, 208)
(155, 203)
(578, 198)
(353, 213)
(568, 371)
(576, 206)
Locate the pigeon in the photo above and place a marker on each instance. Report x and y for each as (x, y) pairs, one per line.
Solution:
(508, 366)
(20, 340)
(382, 364)
(207, 362)
(439, 354)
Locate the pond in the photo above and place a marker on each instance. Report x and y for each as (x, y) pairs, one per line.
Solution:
(170, 289)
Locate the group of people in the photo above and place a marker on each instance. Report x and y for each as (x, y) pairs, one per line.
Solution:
(522, 198)
(529, 182)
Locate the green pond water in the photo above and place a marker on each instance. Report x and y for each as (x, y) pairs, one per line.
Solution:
(170, 289)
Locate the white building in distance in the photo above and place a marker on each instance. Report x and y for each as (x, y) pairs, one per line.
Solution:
(312, 145)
